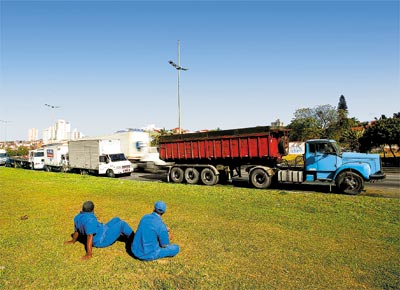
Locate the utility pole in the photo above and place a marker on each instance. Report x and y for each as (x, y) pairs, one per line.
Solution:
(178, 68)
(5, 122)
(51, 131)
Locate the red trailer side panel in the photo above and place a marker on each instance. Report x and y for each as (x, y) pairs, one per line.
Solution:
(246, 143)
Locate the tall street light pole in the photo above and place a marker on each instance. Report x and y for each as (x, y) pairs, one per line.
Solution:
(54, 120)
(178, 68)
(5, 122)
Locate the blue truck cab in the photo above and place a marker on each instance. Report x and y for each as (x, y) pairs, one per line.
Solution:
(324, 161)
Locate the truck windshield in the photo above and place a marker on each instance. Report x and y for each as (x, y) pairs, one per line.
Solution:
(39, 154)
(117, 157)
(337, 148)
(2, 155)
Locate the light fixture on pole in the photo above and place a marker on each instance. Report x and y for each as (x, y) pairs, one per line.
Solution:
(53, 107)
(178, 68)
(5, 122)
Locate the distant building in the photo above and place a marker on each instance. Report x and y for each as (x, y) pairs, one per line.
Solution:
(277, 123)
(61, 131)
(32, 134)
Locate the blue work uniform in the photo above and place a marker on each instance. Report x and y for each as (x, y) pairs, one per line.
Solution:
(104, 235)
(152, 240)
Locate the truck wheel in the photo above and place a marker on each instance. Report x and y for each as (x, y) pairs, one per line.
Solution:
(260, 179)
(350, 183)
(110, 173)
(47, 168)
(177, 174)
(84, 172)
(208, 177)
(192, 175)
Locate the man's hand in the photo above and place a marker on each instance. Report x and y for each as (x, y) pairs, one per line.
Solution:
(171, 236)
(74, 239)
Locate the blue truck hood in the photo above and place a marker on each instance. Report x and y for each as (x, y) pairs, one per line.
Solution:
(373, 160)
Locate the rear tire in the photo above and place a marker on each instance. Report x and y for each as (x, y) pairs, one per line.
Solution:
(350, 183)
(260, 179)
(177, 174)
(208, 177)
(192, 175)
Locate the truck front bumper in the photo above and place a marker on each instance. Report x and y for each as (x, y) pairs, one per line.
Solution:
(377, 176)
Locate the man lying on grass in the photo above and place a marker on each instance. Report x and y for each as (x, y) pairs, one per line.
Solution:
(97, 234)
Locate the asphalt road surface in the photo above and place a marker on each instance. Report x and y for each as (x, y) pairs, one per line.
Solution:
(391, 181)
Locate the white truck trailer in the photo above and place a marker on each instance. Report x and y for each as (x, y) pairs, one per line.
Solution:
(56, 157)
(98, 156)
(135, 144)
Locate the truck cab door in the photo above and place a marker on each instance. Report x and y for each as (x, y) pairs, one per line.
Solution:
(321, 160)
(327, 160)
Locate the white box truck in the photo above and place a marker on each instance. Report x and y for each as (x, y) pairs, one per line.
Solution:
(56, 157)
(98, 156)
(135, 144)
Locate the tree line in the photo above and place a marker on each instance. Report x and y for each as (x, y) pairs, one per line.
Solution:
(329, 122)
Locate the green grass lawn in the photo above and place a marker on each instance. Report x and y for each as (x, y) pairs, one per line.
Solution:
(230, 237)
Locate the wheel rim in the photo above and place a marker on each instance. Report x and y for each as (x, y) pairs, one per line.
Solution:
(191, 175)
(351, 183)
(260, 179)
(208, 177)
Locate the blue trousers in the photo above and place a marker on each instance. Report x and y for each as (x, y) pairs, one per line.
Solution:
(169, 251)
(111, 232)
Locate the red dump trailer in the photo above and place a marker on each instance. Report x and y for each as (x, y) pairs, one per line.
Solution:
(214, 156)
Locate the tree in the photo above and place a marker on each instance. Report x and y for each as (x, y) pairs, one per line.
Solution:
(385, 131)
(309, 123)
(155, 136)
(342, 111)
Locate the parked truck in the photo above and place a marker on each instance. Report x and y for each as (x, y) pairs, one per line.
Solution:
(211, 157)
(99, 157)
(135, 144)
(56, 157)
(34, 160)
(4, 159)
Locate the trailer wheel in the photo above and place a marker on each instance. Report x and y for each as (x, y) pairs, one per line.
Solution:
(110, 173)
(260, 179)
(192, 175)
(208, 177)
(350, 183)
(84, 172)
(177, 174)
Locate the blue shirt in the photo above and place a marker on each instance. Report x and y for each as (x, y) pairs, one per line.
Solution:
(86, 223)
(151, 235)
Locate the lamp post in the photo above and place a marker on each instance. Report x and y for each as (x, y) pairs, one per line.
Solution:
(54, 120)
(5, 122)
(178, 68)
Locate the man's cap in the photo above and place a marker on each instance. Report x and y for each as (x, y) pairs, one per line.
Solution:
(160, 207)
(88, 206)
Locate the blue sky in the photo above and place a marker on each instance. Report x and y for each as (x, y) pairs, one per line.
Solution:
(105, 63)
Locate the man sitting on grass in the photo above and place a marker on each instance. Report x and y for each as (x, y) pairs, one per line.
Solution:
(152, 238)
(97, 234)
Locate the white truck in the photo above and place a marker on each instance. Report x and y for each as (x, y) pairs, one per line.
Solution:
(135, 144)
(98, 156)
(56, 157)
(3, 157)
(34, 160)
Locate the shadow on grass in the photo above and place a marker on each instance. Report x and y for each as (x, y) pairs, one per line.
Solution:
(123, 239)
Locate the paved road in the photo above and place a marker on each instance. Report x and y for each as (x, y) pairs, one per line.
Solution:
(391, 181)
